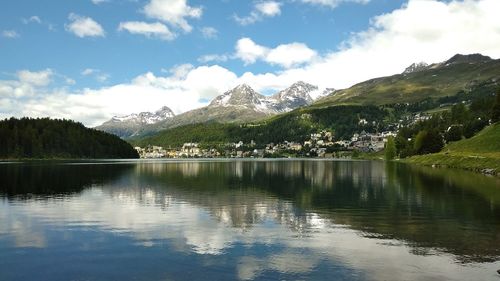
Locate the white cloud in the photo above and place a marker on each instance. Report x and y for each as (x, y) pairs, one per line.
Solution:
(97, 2)
(173, 12)
(248, 51)
(180, 71)
(394, 41)
(186, 88)
(15, 93)
(38, 20)
(97, 74)
(103, 77)
(150, 30)
(84, 26)
(401, 37)
(333, 3)
(70, 81)
(288, 55)
(209, 32)
(213, 58)
(269, 8)
(285, 55)
(10, 34)
(32, 19)
(260, 11)
(89, 71)
(35, 78)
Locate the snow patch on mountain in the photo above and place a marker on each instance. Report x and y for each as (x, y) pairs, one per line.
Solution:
(416, 67)
(295, 96)
(146, 117)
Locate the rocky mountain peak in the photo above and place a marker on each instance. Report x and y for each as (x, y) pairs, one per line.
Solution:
(297, 95)
(299, 90)
(416, 67)
(241, 95)
(145, 117)
(129, 125)
(165, 112)
(243, 87)
(472, 58)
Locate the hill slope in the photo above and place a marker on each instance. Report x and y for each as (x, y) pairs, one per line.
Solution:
(46, 138)
(459, 73)
(477, 153)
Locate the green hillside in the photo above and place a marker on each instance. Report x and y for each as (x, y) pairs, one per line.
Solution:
(486, 142)
(462, 73)
(293, 126)
(477, 153)
(44, 138)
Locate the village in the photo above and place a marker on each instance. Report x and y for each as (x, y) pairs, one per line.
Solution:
(321, 144)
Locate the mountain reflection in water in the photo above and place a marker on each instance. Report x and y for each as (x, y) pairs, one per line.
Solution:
(252, 220)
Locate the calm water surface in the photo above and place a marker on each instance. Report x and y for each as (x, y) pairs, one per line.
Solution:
(246, 220)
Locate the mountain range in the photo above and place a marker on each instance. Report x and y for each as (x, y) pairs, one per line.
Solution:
(418, 82)
(128, 125)
(240, 104)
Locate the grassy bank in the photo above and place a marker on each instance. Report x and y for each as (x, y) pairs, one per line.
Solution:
(480, 153)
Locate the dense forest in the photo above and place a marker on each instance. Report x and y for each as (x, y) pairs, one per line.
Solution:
(47, 138)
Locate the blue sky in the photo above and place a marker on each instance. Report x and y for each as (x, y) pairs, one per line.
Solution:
(123, 56)
(91, 59)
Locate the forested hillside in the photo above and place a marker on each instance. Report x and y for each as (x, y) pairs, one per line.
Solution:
(47, 138)
(293, 126)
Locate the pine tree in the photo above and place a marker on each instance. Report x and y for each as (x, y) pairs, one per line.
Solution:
(390, 149)
(495, 111)
(430, 141)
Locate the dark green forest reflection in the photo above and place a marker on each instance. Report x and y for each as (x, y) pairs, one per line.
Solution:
(55, 178)
(450, 210)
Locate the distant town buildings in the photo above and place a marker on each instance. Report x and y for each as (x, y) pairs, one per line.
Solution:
(319, 144)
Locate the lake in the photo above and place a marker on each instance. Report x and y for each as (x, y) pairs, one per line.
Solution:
(246, 220)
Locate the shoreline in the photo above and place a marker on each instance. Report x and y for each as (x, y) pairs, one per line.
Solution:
(475, 163)
(481, 164)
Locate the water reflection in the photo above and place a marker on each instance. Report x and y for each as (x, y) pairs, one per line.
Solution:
(57, 178)
(268, 219)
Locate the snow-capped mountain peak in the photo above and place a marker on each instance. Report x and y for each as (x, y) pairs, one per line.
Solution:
(242, 95)
(299, 90)
(146, 117)
(297, 95)
(165, 112)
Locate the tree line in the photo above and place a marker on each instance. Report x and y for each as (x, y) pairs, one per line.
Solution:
(430, 136)
(43, 138)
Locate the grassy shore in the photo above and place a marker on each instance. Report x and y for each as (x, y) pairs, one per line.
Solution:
(480, 153)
